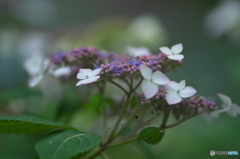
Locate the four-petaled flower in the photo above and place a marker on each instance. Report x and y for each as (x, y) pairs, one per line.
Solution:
(87, 76)
(151, 81)
(177, 91)
(229, 107)
(174, 52)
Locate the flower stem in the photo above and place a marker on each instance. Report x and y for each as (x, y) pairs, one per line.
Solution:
(123, 142)
(118, 85)
(165, 117)
(181, 121)
(121, 117)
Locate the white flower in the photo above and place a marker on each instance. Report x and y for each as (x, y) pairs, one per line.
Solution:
(36, 65)
(151, 81)
(177, 91)
(61, 71)
(174, 52)
(229, 107)
(87, 76)
(137, 51)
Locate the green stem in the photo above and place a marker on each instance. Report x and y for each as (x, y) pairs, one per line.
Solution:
(134, 89)
(181, 121)
(104, 156)
(125, 125)
(165, 118)
(120, 118)
(118, 85)
(123, 142)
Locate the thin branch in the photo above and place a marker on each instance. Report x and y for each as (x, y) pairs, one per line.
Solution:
(181, 121)
(118, 85)
(123, 142)
(165, 117)
(103, 155)
(134, 89)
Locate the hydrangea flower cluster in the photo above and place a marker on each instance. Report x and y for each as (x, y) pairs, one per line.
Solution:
(141, 76)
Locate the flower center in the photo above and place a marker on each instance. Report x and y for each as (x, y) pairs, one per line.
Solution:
(87, 76)
(178, 91)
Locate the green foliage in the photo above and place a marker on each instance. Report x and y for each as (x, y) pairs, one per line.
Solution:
(66, 144)
(17, 93)
(27, 124)
(151, 135)
(96, 101)
(70, 102)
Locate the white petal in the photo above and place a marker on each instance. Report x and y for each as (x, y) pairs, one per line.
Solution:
(176, 49)
(166, 50)
(61, 71)
(83, 73)
(176, 57)
(137, 51)
(171, 86)
(146, 72)
(226, 101)
(181, 84)
(36, 64)
(187, 92)
(210, 117)
(94, 72)
(34, 81)
(149, 89)
(87, 81)
(236, 108)
(232, 112)
(173, 98)
(160, 78)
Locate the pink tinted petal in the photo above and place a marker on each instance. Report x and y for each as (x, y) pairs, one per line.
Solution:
(176, 49)
(166, 50)
(187, 92)
(176, 57)
(146, 71)
(87, 81)
(94, 72)
(182, 84)
(159, 78)
(171, 86)
(173, 98)
(226, 101)
(149, 89)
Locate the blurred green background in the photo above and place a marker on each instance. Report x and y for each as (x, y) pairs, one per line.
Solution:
(209, 31)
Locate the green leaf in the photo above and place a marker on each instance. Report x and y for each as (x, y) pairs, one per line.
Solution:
(151, 135)
(66, 144)
(27, 124)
